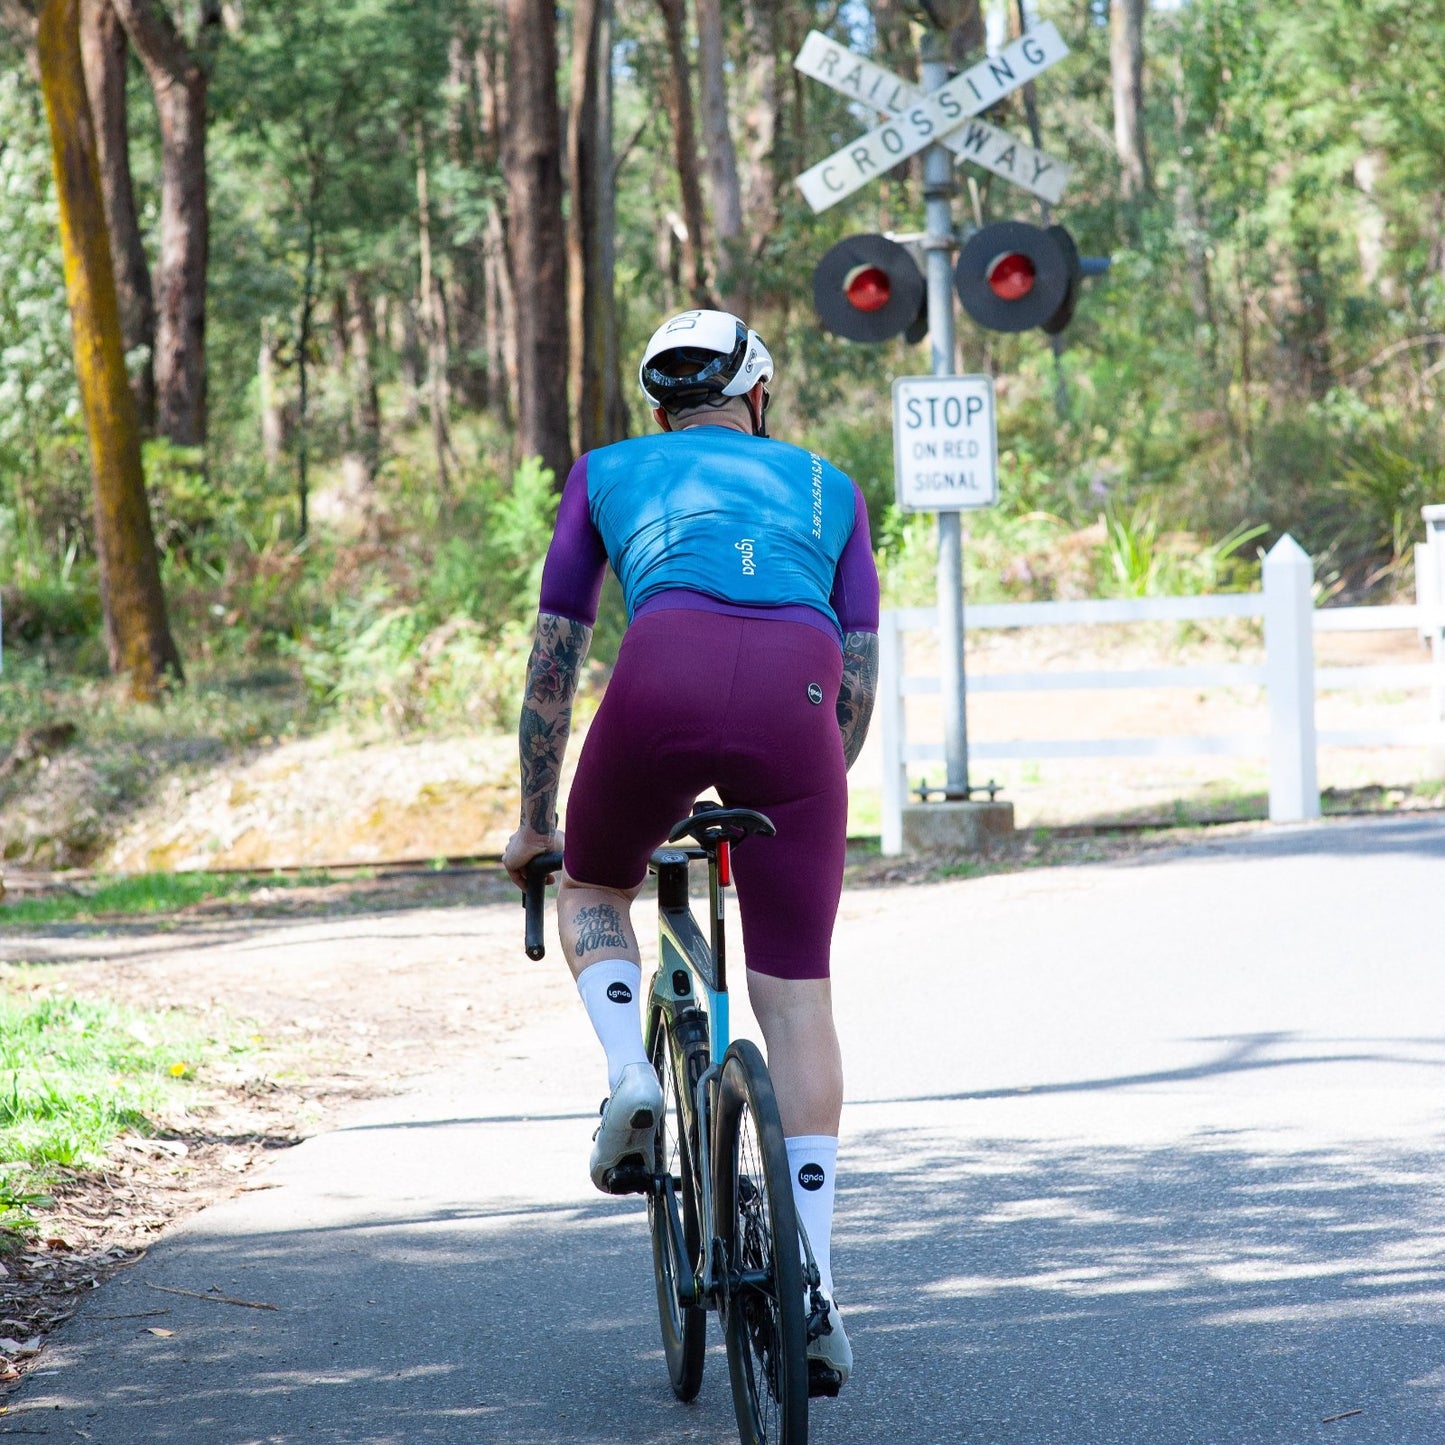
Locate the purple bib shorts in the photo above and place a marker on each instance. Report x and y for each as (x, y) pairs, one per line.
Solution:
(746, 705)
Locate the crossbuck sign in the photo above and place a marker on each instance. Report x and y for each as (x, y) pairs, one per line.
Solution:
(916, 120)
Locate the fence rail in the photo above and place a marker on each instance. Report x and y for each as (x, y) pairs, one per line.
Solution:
(1288, 675)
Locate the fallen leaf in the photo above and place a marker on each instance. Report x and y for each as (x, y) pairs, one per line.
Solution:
(158, 1332)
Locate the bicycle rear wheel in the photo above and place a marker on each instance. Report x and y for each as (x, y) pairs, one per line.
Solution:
(680, 1055)
(762, 1287)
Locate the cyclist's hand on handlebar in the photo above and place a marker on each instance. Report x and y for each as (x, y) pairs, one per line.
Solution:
(524, 845)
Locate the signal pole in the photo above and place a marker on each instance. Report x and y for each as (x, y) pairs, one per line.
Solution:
(939, 243)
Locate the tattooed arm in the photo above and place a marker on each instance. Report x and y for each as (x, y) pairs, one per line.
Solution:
(857, 691)
(553, 669)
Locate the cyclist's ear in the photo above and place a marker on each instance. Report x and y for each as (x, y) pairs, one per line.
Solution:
(661, 418)
(758, 399)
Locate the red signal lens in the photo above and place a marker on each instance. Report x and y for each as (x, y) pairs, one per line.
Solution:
(1011, 276)
(868, 288)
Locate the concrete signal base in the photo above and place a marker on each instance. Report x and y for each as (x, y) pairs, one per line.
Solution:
(974, 829)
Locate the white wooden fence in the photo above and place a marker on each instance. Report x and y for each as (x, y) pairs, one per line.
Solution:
(1288, 674)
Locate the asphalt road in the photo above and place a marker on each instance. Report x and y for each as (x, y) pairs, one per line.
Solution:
(1143, 1154)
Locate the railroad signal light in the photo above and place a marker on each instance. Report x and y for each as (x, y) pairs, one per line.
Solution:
(1013, 277)
(868, 288)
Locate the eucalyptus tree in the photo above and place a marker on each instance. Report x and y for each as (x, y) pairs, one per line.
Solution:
(532, 162)
(107, 50)
(177, 48)
(137, 628)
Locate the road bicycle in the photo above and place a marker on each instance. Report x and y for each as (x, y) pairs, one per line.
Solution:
(725, 1235)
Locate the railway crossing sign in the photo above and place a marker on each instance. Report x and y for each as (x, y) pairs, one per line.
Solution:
(875, 86)
(923, 119)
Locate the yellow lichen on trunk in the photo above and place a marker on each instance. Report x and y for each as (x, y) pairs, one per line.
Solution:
(137, 631)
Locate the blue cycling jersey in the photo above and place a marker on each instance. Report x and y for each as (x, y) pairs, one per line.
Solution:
(746, 519)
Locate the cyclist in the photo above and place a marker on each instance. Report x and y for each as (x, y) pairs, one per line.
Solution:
(749, 665)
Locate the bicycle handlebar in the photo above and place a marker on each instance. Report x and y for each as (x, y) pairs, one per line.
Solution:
(532, 896)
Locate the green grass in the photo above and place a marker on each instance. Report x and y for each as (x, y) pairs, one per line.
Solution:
(75, 1073)
(141, 894)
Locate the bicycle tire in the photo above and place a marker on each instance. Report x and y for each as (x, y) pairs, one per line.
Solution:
(680, 1056)
(761, 1300)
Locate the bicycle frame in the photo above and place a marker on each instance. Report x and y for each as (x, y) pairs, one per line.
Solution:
(685, 955)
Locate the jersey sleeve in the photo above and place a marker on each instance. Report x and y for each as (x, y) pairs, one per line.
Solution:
(855, 582)
(577, 560)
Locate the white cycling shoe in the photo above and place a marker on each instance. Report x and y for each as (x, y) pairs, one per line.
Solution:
(624, 1137)
(830, 1357)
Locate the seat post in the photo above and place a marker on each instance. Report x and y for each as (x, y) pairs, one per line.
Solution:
(715, 893)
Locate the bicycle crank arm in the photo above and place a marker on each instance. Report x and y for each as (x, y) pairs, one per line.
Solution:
(664, 1187)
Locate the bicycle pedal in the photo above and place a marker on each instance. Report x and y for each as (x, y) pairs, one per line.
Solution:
(628, 1178)
(823, 1380)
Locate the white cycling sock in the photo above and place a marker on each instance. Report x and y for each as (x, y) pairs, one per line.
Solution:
(609, 990)
(812, 1161)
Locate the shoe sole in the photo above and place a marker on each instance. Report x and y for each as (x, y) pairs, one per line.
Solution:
(823, 1380)
(628, 1173)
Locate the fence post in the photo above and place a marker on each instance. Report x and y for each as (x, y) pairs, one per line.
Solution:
(890, 709)
(1289, 658)
(1430, 596)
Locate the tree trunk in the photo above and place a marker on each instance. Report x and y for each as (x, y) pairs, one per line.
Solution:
(533, 166)
(1371, 226)
(616, 422)
(354, 341)
(722, 160)
(762, 124)
(677, 97)
(179, 78)
(411, 361)
(501, 343)
(466, 285)
(433, 324)
(361, 352)
(1298, 309)
(1126, 66)
(105, 48)
(303, 364)
(1196, 253)
(138, 634)
(894, 32)
(967, 33)
(591, 223)
(273, 415)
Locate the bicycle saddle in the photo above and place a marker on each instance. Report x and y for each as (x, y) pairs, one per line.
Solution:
(711, 824)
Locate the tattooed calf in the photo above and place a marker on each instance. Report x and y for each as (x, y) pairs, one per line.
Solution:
(599, 927)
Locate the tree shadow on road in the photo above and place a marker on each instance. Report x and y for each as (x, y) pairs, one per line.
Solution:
(1221, 1289)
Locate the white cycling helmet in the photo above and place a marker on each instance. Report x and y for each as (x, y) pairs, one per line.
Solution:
(704, 356)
